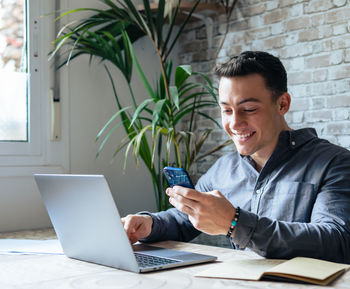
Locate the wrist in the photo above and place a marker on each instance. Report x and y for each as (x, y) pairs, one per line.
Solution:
(233, 223)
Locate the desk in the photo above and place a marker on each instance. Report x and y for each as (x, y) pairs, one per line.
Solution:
(60, 272)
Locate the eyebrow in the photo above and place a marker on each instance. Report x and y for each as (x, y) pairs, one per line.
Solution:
(252, 99)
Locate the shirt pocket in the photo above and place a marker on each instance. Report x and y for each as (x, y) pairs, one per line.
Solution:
(293, 201)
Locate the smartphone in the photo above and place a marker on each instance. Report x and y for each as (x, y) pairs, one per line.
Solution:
(178, 177)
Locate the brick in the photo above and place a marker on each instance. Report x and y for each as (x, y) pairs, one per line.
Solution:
(185, 58)
(277, 28)
(347, 55)
(254, 10)
(317, 61)
(317, 47)
(336, 57)
(300, 77)
(274, 42)
(309, 35)
(340, 29)
(239, 25)
(339, 72)
(200, 56)
(331, 138)
(344, 141)
(338, 15)
(275, 16)
(271, 5)
(323, 88)
(340, 42)
(298, 91)
(298, 23)
(317, 6)
(320, 75)
(318, 103)
(255, 21)
(318, 116)
(300, 49)
(285, 3)
(296, 10)
(318, 20)
(295, 64)
(235, 50)
(188, 36)
(194, 46)
(341, 114)
(342, 86)
(338, 101)
(300, 104)
(288, 117)
(200, 34)
(262, 32)
(339, 3)
(298, 116)
(338, 128)
(326, 31)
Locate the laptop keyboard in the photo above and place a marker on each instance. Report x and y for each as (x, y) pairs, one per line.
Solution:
(151, 261)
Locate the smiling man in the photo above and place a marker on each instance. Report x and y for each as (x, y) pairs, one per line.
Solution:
(283, 193)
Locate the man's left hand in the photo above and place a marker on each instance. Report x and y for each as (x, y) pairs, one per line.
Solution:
(209, 212)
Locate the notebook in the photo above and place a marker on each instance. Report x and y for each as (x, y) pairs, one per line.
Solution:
(298, 269)
(88, 226)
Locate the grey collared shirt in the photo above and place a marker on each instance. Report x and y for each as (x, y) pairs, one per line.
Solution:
(298, 205)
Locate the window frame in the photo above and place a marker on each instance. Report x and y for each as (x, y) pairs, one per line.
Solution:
(38, 154)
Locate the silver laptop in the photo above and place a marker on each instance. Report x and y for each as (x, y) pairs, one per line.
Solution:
(88, 225)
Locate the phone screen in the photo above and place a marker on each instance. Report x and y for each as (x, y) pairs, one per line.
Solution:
(178, 176)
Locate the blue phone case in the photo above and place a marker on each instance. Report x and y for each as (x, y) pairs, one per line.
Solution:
(178, 176)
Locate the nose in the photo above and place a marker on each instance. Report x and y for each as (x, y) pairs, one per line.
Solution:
(236, 121)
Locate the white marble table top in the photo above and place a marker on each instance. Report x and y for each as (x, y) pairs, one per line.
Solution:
(60, 272)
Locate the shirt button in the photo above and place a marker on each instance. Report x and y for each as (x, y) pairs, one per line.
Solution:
(293, 143)
(258, 191)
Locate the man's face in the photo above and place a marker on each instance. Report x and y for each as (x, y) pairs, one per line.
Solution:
(250, 117)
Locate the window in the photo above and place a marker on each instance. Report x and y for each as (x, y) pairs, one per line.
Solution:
(27, 28)
(13, 71)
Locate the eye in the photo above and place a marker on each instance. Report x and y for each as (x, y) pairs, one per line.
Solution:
(249, 110)
(225, 110)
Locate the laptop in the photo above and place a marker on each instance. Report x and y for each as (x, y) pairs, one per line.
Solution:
(88, 226)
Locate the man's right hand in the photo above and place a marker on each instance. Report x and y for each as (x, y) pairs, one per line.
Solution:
(137, 226)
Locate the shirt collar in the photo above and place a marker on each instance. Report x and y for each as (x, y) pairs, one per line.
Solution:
(296, 138)
(289, 140)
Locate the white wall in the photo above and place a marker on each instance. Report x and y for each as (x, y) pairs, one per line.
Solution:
(87, 103)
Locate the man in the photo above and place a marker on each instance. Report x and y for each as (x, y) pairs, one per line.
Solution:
(292, 188)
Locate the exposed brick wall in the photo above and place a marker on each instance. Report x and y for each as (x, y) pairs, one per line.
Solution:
(312, 38)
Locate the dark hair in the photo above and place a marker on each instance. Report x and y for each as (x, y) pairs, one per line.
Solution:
(262, 63)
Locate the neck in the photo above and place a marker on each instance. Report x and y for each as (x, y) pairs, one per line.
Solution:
(260, 158)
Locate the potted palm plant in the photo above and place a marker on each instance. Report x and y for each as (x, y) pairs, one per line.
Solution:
(155, 131)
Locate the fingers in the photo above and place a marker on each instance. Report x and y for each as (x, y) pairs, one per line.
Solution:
(185, 192)
(137, 226)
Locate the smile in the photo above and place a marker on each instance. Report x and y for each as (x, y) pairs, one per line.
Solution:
(243, 137)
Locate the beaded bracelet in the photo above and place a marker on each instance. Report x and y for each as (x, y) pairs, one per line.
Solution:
(233, 223)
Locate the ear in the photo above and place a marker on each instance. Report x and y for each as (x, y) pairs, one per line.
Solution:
(283, 103)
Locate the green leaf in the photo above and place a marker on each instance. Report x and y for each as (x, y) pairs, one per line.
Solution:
(76, 10)
(139, 69)
(106, 138)
(138, 141)
(209, 117)
(160, 22)
(139, 109)
(156, 113)
(182, 72)
(110, 121)
(174, 94)
(159, 130)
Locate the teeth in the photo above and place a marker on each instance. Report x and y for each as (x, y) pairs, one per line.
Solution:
(243, 135)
